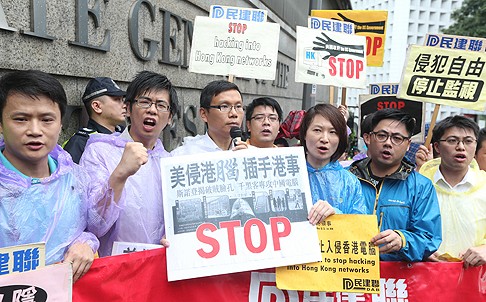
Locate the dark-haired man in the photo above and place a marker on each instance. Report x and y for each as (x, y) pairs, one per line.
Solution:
(481, 149)
(44, 196)
(263, 118)
(103, 100)
(404, 201)
(221, 108)
(461, 187)
(127, 165)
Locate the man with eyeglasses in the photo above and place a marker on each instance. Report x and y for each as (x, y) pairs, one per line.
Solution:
(263, 118)
(221, 108)
(461, 189)
(404, 201)
(103, 100)
(127, 166)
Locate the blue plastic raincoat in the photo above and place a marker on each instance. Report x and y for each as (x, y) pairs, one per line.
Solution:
(406, 203)
(54, 210)
(338, 187)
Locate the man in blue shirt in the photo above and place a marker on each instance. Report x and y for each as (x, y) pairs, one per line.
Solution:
(44, 196)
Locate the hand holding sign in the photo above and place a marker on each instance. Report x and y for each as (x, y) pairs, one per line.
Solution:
(334, 48)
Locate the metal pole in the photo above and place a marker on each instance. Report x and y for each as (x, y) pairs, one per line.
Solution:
(308, 96)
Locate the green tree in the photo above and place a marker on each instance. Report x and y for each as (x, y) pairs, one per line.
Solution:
(469, 19)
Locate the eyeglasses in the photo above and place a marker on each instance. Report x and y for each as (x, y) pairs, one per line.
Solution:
(454, 141)
(145, 103)
(396, 139)
(227, 108)
(272, 118)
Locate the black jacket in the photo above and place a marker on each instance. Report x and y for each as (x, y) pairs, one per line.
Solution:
(76, 144)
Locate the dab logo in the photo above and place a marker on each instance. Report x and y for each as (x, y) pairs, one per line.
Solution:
(348, 284)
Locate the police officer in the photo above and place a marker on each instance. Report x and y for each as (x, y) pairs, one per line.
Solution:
(104, 103)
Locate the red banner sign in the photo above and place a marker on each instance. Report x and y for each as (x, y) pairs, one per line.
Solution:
(142, 276)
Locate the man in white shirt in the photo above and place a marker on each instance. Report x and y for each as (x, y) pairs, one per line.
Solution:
(461, 188)
(221, 108)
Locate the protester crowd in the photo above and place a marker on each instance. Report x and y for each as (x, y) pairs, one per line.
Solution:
(432, 211)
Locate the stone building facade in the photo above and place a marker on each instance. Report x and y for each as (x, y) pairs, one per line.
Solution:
(76, 40)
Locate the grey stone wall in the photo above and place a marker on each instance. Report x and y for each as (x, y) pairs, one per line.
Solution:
(52, 45)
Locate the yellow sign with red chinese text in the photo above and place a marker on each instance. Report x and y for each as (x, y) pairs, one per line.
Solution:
(350, 262)
(368, 23)
(444, 76)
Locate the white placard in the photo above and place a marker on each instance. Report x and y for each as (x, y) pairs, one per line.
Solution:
(237, 211)
(330, 58)
(239, 48)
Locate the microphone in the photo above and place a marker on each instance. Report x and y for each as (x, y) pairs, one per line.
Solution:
(235, 133)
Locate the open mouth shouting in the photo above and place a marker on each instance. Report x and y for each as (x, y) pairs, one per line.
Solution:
(266, 132)
(149, 124)
(386, 154)
(323, 149)
(460, 157)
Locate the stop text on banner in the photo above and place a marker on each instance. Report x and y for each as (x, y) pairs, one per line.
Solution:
(330, 58)
(239, 48)
(370, 103)
(237, 211)
(367, 23)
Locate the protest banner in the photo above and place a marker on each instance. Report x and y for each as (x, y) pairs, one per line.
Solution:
(367, 23)
(451, 42)
(445, 77)
(52, 283)
(238, 48)
(22, 258)
(330, 58)
(237, 211)
(370, 103)
(334, 26)
(350, 262)
(142, 277)
(455, 42)
(237, 13)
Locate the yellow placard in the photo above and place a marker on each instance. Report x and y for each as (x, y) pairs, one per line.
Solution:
(350, 263)
(22, 258)
(368, 23)
(444, 76)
